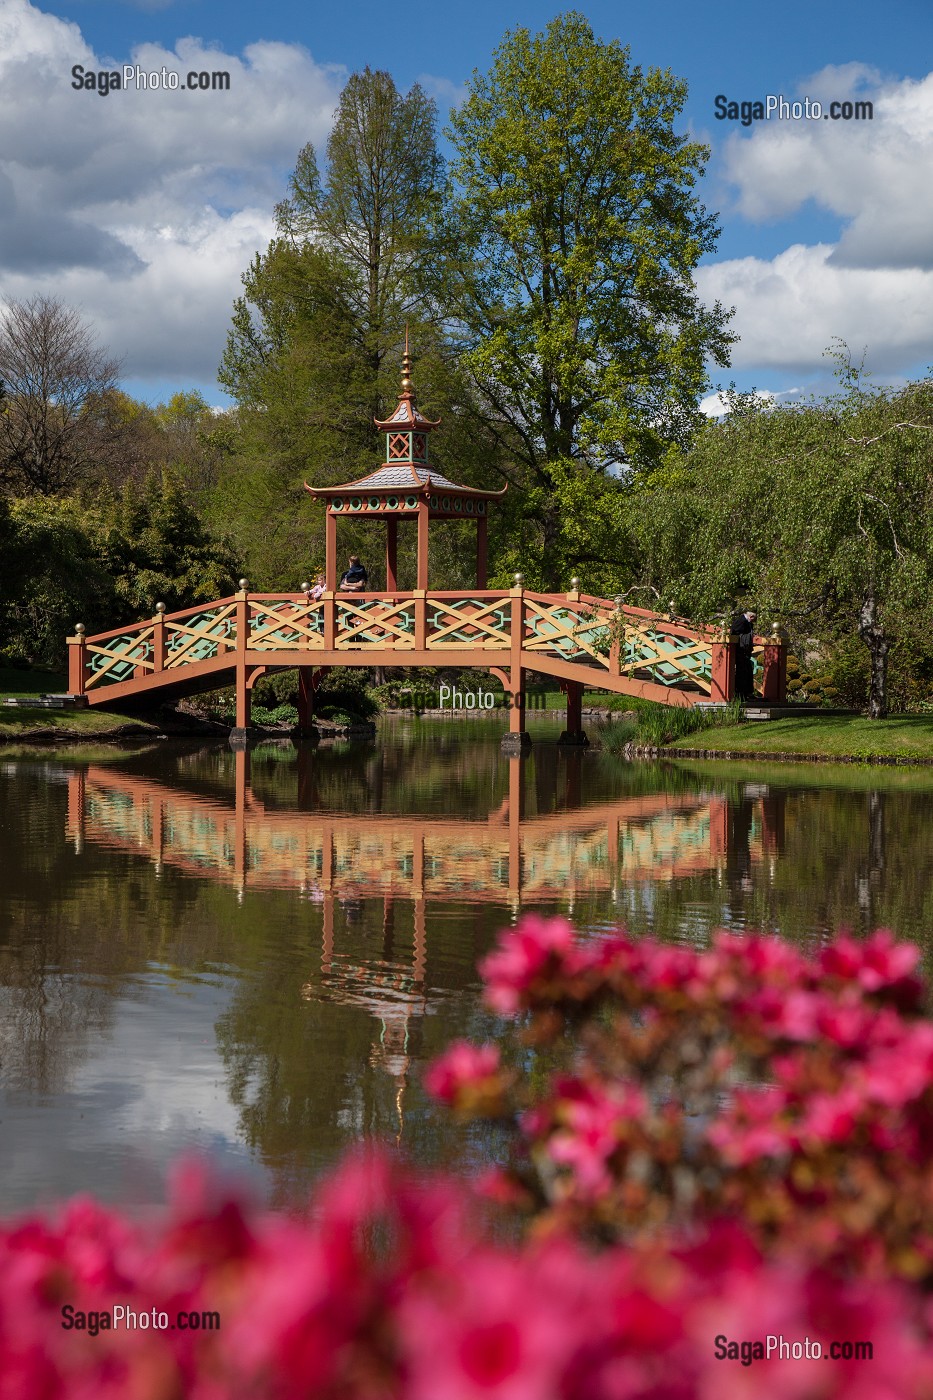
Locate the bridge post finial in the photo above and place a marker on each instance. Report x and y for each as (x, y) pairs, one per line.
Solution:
(158, 639)
(76, 660)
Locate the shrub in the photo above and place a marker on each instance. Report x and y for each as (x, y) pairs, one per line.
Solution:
(677, 1086)
(293, 1308)
(660, 1090)
(655, 725)
(347, 689)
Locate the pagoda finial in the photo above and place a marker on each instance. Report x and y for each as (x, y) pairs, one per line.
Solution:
(406, 366)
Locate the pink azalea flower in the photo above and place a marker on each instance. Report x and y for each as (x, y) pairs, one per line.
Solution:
(461, 1066)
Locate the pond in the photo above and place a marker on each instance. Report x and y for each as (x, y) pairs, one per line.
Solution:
(254, 955)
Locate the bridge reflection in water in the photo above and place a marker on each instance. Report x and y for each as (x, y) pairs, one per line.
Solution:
(342, 861)
(506, 859)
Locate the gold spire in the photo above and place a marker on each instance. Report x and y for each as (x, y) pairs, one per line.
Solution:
(406, 366)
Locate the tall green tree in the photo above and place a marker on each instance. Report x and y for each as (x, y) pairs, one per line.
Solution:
(374, 209)
(330, 297)
(572, 235)
(314, 352)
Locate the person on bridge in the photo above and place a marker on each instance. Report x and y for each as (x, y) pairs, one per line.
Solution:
(743, 629)
(356, 578)
(320, 587)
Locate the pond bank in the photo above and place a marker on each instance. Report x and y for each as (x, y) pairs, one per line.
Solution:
(816, 738)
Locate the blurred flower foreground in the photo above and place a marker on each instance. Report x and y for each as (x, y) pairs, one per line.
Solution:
(710, 1150)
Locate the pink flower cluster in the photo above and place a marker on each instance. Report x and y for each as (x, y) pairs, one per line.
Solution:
(311, 1307)
(745, 1078)
(683, 1091)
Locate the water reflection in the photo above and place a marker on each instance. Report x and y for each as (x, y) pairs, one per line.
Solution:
(255, 954)
(502, 857)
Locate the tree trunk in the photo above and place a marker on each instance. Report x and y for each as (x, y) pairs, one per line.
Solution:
(872, 634)
(551, 563)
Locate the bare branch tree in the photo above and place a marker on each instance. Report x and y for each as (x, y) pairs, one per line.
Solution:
(53, 423)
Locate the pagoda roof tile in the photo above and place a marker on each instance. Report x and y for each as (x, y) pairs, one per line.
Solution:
(402, 477)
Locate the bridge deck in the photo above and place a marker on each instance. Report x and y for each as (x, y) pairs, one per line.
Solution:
(576, 638)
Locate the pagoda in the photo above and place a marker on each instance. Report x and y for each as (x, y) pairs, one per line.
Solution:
(405, 487)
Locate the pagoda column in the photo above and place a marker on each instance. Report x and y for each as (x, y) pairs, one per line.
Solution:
(391, 554)
(482, 535)
(330, 548)
(423, 518)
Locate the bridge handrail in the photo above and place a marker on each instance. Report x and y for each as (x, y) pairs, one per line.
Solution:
(130, 627)
(580, 629)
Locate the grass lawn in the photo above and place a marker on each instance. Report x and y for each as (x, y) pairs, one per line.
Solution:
(557, 700)
(832, 736)
(19, 722)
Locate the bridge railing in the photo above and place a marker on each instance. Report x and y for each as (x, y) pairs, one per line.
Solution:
(609, 637)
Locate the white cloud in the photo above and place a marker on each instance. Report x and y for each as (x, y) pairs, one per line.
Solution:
(717, 405)
(790, 309)
(873, 288)
(144, 207)
(873, 174)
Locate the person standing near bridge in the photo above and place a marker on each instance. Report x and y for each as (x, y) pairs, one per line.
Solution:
(743, 630)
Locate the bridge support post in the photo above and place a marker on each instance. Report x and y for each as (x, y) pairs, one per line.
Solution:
(239, 734)
(306, 701)
(573, 734)
(774, 667)
(391, 554)
(158, 639)
(482, 550)
(517, 740)
(77, 655)
(722, 670)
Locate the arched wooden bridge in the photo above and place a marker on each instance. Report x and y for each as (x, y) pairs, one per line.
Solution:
(579, 640)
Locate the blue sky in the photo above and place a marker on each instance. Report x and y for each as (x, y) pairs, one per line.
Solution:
(143, 208)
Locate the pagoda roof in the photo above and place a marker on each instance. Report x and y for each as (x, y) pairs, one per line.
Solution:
(403, 476)
(407, 415)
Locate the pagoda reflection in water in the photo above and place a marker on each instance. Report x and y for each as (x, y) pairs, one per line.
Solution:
(344, 861)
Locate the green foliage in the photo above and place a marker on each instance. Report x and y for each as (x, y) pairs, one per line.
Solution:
(101, 560)
(54, 577)
(655, 725)
(346, 688)
(819, 512)
(280, 714)
(575, 231)
(157, 549)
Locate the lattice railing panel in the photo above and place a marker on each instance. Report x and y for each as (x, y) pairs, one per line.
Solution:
(375, 622)
(200, 636)
(570, 633)
(455, 623)
(119, 658)
(666, 656)
(585, 631)
(281, 624)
